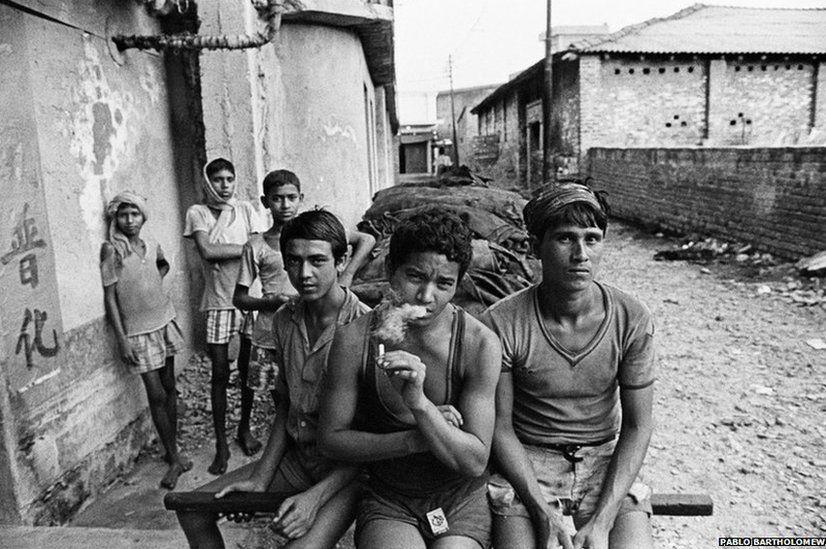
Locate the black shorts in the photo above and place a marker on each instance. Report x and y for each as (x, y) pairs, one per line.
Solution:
(465, 507)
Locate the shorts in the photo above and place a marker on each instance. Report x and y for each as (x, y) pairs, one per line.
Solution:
(572, 488)
(465, 509)
(263, 369)
(153, 348)
(222, 324)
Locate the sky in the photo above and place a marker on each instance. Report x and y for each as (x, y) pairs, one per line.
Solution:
(490, 40)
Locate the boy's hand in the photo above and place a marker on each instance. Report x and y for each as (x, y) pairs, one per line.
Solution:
(127, 353)
(248, 485)
(297, 514)
(410, 372)
(451, 415)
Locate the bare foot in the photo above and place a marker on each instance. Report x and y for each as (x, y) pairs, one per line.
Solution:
(248, 443)
(219, 464)
(178, 465)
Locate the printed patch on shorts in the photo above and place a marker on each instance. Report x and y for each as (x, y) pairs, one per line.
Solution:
(438, 521)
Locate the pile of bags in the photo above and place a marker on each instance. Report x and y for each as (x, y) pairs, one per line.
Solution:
(500, 266)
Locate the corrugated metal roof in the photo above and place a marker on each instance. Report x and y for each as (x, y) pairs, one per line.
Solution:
(720, 29)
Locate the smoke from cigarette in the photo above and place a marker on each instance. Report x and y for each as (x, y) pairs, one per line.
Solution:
(393, 318)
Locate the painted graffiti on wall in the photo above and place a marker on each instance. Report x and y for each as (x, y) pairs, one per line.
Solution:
(25, 241)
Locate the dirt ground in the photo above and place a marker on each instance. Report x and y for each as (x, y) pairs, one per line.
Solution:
(740, 397)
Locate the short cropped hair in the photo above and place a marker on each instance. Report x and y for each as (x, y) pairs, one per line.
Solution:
(431, 229)
(279, 178)
(316, 225)
(217, 165)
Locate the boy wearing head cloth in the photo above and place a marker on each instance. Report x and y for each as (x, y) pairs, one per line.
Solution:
(573, 417)
(143, 318)
(220, 227)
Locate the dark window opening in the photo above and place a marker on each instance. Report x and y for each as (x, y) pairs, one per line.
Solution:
(750, 68)
(733, 123)
(617, 71)
(800, 67)
(762, 67)
(690, 69)
(662, 70)
(676, 69)
(737, 69)
(646, 70)
(668, 124)
(683, 123)
(630, 71)
(676, 117)
(535, 135)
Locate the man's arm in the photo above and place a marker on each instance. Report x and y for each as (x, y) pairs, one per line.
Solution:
(467, 449)
(244, 301)
(297, 514)
(337, 439)
(362, 244)
(632, 445)
(161, 262)
(264, 469)
(211, 251)
(513, 463)
(110, 302)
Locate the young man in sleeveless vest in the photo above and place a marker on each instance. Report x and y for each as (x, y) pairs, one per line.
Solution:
(418, 408)
(573, 417)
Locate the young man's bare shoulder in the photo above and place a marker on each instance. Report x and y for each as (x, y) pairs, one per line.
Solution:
(484, 340)
(106, 250)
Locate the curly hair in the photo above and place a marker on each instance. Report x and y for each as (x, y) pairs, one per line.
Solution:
(431, 229)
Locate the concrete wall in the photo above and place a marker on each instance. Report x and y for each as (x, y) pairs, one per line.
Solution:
(79, 124)
(763, 103)
(632, 101)
(312, 108)
(635, 103)
(773, 198)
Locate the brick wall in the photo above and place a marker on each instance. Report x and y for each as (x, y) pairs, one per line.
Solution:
(773, 198)
(565, 117)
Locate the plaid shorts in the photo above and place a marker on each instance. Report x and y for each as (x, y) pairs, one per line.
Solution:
(221, 324)
(263, 369)
(154, 348)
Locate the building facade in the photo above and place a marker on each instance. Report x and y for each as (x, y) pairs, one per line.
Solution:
(467, 127)
(81, 121)
(683, 80)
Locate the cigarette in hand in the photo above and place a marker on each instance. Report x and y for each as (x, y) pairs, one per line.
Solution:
(381, 351)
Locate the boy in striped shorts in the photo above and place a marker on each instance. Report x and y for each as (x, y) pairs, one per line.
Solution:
(220, 227)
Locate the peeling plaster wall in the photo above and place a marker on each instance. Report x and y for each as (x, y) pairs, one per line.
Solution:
(297, 104)
(76, 127)
(322, 115)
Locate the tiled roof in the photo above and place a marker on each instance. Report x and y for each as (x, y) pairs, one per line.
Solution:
(720, 29)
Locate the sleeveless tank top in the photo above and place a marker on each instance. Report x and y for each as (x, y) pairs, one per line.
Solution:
(144, 306)
(414, 475)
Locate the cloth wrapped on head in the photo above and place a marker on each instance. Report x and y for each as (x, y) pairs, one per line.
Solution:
(119, 240)
(549, 201)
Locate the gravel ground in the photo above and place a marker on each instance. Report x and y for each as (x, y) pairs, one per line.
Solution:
(740, 397)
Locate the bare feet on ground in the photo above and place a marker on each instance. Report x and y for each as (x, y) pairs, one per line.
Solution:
(219, 464)
(177, 466)
(248, 443)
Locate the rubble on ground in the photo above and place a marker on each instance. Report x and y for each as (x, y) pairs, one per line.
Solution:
(813, 266)
(501, 264)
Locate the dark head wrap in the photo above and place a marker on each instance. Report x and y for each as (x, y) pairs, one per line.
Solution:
(550, 200)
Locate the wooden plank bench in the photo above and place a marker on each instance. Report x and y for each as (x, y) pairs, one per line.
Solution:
(697, 505)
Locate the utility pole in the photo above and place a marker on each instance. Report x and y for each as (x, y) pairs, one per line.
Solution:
(455, 154)
(547, 98)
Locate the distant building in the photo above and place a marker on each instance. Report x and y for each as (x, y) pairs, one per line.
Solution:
(466, 126)
(707, 75)
(417, 148)
(562, 37)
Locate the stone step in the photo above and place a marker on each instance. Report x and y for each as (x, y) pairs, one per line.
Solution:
(72, 537)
